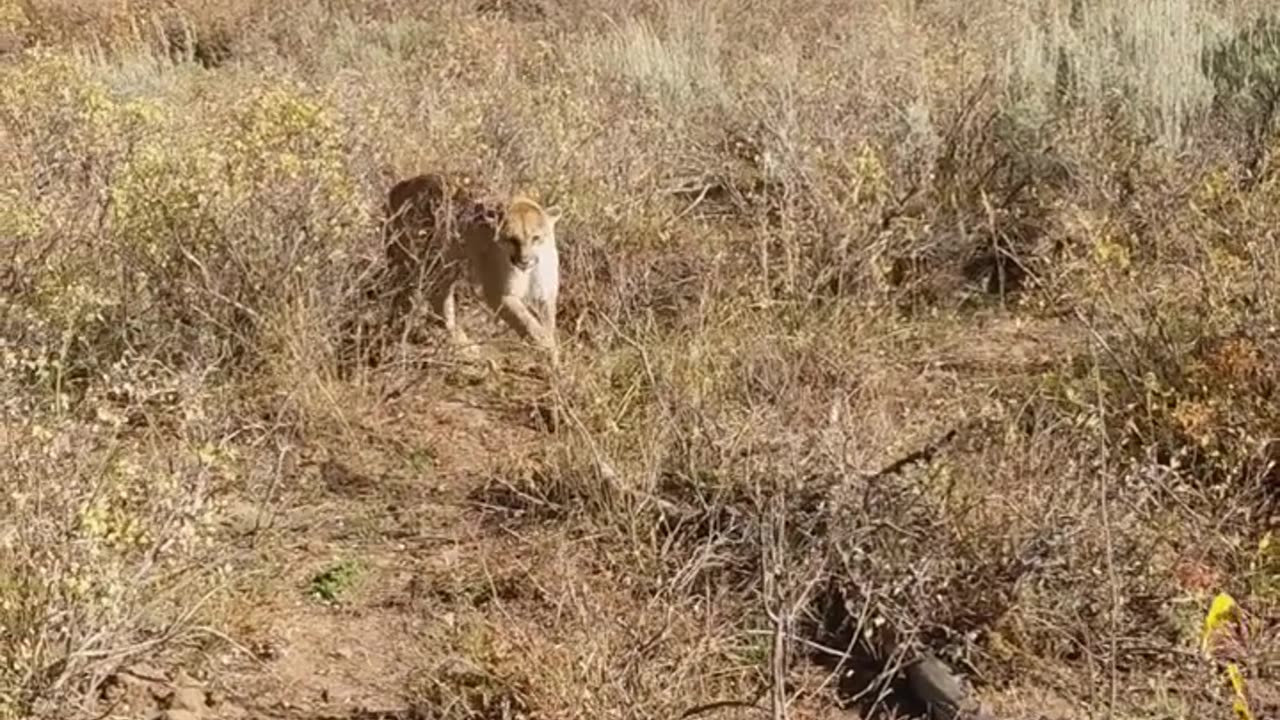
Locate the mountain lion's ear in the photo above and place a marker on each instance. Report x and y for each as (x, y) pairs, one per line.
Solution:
(553, 214)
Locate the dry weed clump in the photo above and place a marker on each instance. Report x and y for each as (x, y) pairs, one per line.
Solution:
(164, 198)
(106, 561)
(207, 33)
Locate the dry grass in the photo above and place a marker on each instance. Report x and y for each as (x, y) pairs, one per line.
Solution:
(886, 328)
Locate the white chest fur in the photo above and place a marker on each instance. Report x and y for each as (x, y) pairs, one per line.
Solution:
(543, 279)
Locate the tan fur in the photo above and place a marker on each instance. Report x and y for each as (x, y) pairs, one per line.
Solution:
(445, 229)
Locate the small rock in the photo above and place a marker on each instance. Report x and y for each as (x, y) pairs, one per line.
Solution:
(188, 698)
(181, 715)
(935, 685)
(143, 674)
(264, 650)
(10, 43)
(243, 518)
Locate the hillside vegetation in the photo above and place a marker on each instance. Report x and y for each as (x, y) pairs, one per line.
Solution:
(887, 328)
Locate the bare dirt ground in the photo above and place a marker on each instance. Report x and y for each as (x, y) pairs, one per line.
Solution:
(426, 509)
(410, 512)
